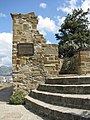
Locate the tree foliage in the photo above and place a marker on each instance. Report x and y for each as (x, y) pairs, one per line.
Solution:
(74, 33)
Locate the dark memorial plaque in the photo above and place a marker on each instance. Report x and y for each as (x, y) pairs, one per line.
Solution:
(25, 49)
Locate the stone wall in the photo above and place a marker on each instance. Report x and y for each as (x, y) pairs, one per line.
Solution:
(70, 65)
(84, 65)
(51, 60)
(30, 70)
(78, 64)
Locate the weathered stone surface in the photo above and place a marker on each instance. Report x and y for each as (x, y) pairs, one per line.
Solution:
(66, 89)
(53, 112)
(32, 67)
(66, 100)
(70, 65)
(84, 65)
(72, 102)
(86, 52)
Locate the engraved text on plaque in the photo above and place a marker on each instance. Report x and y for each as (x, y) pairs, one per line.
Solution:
(25, 49)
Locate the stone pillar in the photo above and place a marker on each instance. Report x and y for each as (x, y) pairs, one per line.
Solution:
(27, 65)
(84, 65)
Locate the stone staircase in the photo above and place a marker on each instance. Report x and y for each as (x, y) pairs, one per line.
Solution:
(62, 98)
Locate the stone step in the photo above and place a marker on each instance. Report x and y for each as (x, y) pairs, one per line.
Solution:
(66, 100)
(69, 80)
(65, 89)
(53, 112)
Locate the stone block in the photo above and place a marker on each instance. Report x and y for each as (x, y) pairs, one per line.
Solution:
(23, 40)
(38, 40)
(84, 53)
(51, 61)
(36, 72)
(14, 53)
(14, 61)
(56, 58)
(18, 27)
(32, 86)
(23, 61)
(51, 58)
(13, 68)
(20, 78)
(34, 26)
(57, 67)
(25, 27)
(83, 64)
(82, 72)
(18, 61)
(88, 72)
(85, 59)
(14, 49)
(16, 38)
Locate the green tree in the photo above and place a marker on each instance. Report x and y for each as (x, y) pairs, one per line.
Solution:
(74, 34)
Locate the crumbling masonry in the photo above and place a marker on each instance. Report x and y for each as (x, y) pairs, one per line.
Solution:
(33, 60)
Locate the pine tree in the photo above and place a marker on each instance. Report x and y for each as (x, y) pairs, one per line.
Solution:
(74, 34)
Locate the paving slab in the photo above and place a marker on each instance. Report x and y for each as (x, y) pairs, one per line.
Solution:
(16, 112)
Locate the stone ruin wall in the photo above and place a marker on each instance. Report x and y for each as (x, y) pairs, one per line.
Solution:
(84, 64)
(79, 64)
(51, 60)
(29, 71)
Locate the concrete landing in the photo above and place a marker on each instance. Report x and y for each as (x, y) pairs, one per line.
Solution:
(14, 112)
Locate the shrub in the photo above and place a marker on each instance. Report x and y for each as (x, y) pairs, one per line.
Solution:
(17, 98)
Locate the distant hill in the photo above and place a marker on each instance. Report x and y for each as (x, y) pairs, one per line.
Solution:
(5, 71)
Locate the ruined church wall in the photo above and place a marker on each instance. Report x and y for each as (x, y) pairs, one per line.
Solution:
(51, 60)
(30, 70)
(27, 70)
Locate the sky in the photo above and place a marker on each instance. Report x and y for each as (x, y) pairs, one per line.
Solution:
(50, 13)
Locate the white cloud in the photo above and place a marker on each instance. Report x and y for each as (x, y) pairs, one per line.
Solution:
(5, 48)
(46, 25)
(60, 20)
(89, 21)
(43, 5)
(72, 4)
(69, 5)
(85, 5)
(2, 15)
(6, 61)
(48, 42)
